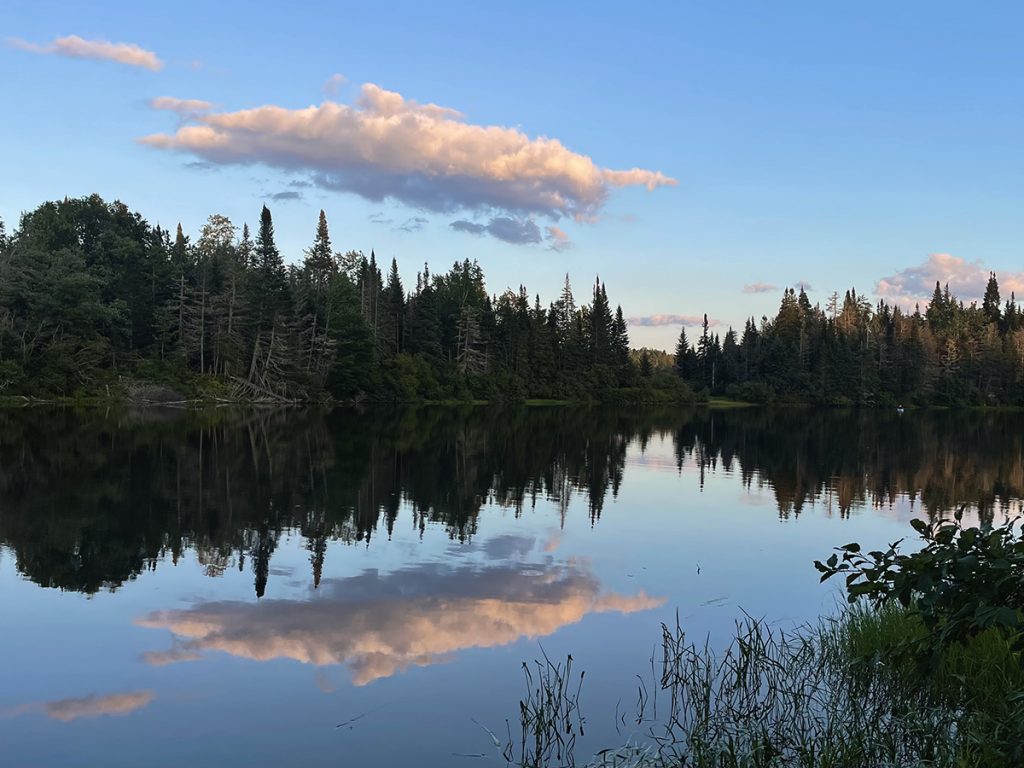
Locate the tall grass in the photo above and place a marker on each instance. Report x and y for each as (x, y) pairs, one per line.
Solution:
(842, 693)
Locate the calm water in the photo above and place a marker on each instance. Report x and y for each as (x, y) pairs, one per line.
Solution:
(226, 589)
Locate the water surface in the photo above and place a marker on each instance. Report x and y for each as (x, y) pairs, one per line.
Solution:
(230, 587)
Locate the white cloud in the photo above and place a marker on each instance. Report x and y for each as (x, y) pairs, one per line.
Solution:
(966, 280)
(76, 47)
(759, 288)
(424, 155)
(652, 321)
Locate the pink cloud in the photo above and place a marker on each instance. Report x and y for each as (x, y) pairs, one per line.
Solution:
(425, 155)
(183, 107)
(76, 47)
(558, 239)
(966, 280)
(652, 321)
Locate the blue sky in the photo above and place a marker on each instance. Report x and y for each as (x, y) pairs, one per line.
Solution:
(873, 145)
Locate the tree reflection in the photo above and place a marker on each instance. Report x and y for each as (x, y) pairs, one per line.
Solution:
(89, 500)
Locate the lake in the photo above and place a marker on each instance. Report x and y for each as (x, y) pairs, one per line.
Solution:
(303, 588)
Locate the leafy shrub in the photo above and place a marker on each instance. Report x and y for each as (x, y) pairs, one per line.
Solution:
(964, 581)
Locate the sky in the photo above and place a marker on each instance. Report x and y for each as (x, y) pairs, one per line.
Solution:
(696, 157)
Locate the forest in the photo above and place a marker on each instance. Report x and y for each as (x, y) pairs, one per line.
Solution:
(94, 301)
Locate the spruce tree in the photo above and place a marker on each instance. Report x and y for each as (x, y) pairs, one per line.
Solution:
(271, 273)
(319, 264)
(990, 304)
(682, 359)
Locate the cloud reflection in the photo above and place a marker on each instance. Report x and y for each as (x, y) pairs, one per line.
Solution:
(377, 625)
(66, 710)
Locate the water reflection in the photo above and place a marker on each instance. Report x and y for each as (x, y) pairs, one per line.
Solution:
(380, 624)
(66, 710)
(91, 500)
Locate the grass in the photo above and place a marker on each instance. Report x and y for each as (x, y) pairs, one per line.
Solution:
(842, 693)
(725, 402)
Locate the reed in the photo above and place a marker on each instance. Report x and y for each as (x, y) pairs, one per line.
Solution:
(839, 693)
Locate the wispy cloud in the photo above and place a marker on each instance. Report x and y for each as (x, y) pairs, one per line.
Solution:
(558, 239)
(966, 280)
(66, 710)
(201, 165)
(182, 107)
(759, 288)
(285, 196)
(76, 47)
(652, 321)
(415, 224)
(333, 84)
(385, 146)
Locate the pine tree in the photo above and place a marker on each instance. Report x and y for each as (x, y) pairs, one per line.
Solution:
(620, 345)
(990, 304)
(319, 265)
(682, 358)
(394, 303)
(270, 271)
(600, 331)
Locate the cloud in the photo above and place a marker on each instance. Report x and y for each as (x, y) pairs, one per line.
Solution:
(379, 218)
(171, 656)
(759, 288)
(652, 321)
(333, 84)
(181, 107)
(511, 230)
(67, 710)
(288, 195)
(414, 224)
(385, 146)
(300, 184)
(804, 285)
(380, 624)
(966, 280)
(76, 47)
(558, 239)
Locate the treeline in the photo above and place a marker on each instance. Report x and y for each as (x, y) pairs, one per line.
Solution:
(92, 298)
(853, 352)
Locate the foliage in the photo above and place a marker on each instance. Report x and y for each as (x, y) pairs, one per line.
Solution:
(853, 353)
(90, 293)
(963, 581)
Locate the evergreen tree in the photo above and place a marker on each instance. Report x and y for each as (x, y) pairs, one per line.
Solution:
(272, 277)
(682, 357)
(990, 304)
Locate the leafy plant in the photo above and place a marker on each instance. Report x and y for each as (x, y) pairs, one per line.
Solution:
(964, 581)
